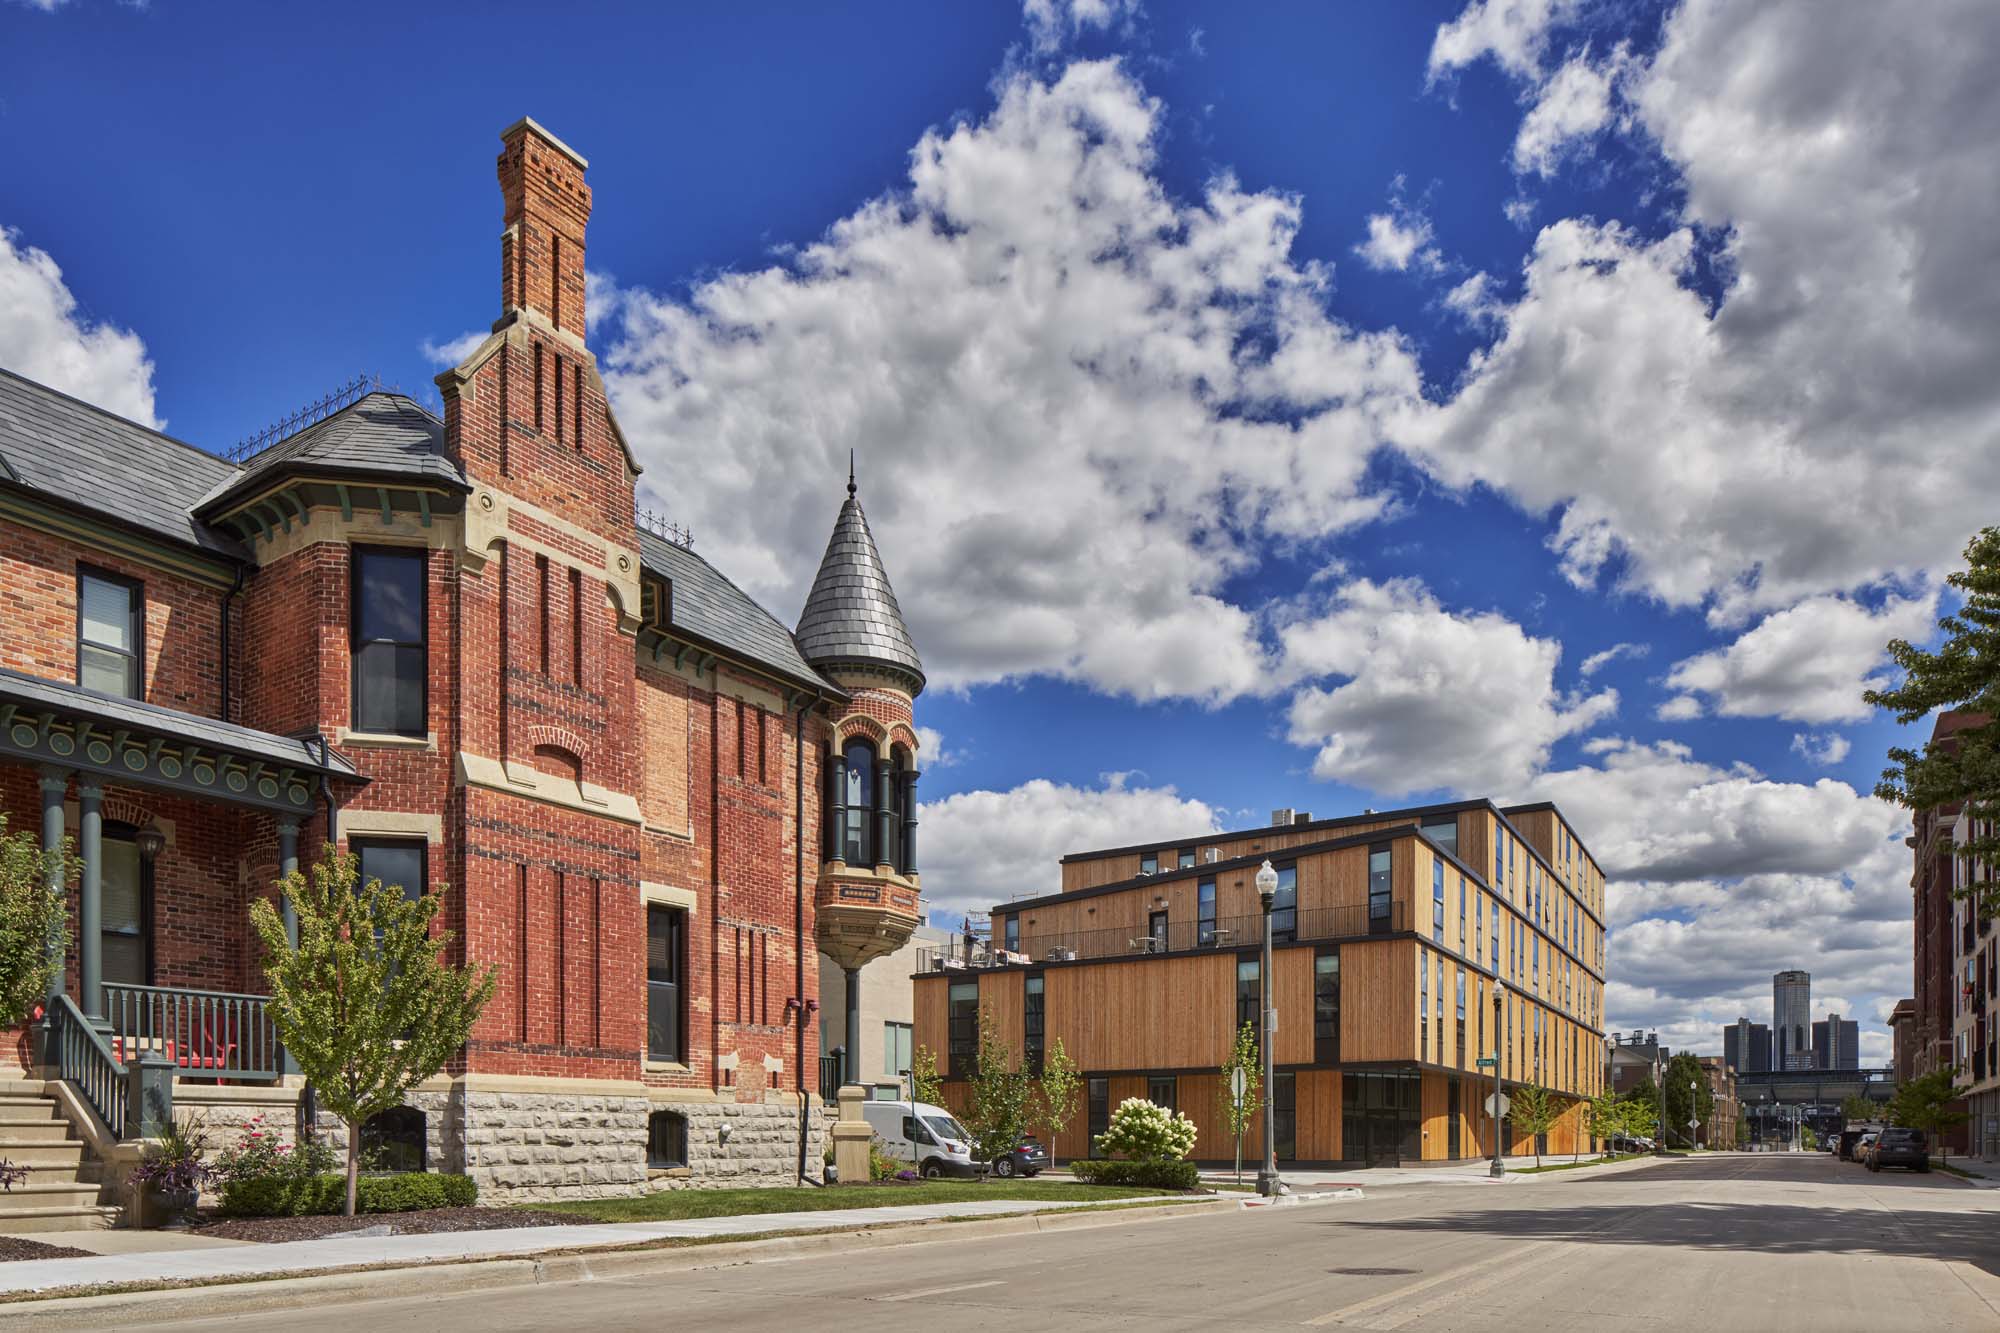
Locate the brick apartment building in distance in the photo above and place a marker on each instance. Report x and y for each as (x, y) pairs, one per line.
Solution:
(1951, 1004)
(449, 647)
(1394, 932)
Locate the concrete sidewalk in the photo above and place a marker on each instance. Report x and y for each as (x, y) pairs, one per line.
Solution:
(213, 1263)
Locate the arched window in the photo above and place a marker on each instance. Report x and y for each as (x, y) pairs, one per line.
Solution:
(666, 1140)
(394, 1140)
(857, 842)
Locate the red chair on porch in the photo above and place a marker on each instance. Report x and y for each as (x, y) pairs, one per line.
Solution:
(210, 1047)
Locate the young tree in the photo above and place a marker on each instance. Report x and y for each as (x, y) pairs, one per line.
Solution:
(1607, 1117)
(364, 1002)
(1240, 1116)
(32, 919)
(925, 1083)
(1057, 1092)
(1532, 1110)
(1858, 1109)
(1963, 673)
(998, 1111)
(1926, 1103)
(1688, 1096)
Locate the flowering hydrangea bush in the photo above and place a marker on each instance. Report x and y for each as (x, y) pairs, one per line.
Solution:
(1148, 1133)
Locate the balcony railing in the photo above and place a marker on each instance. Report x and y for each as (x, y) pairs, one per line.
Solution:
(206, 1034)
(1237, 932)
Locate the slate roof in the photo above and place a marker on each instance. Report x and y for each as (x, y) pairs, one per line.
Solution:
(707, 606)
(64, 449)
(153, 720)
(381, 434)
(851, 614)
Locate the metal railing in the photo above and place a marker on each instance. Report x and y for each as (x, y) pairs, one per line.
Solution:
(84, 1060)
(1234, 932)
(829, 1079)
(206, 1034)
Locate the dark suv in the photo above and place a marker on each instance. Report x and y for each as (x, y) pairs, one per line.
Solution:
(1027, 1159)
(1901, 1147)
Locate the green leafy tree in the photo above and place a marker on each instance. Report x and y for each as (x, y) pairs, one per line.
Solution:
(1239, 1117)
(1857, 1108)
(1963, 673)
(999, 1110)
(925, 1083)
(1146, 1132)
(1689, 1097)
(1058, 1092)
(1609, 1117)
(1926, 1103)
(1532, 1110)
(32, 919)
(1644, 1099)
(365, 1002)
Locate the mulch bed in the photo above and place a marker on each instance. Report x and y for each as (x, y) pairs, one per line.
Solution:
(15, 1247)
(420, 1223)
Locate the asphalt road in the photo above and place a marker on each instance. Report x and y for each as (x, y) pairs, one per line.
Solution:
(1766, 1243)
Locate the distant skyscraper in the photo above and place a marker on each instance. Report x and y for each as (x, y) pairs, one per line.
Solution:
(1746, 1047)
(1836, 1043)
(1791, 1020)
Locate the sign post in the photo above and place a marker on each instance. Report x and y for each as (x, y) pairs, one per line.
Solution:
(1236, 1089)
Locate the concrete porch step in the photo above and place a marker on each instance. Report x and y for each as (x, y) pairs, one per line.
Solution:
(23, 1130)
(22, 1087)
(81, 1217)
(37, 1110)
(42, 1154)
(45, 1194)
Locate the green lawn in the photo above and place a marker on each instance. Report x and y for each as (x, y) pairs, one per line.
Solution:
(670, 1205)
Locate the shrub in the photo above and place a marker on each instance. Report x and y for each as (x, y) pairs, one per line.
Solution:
(881, 1166)
(262, 1153)
(1158, 1174)
(176, 1162)
(1141, 1130)
(304, 1196)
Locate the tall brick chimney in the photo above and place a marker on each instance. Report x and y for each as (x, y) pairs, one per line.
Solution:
(547, 209)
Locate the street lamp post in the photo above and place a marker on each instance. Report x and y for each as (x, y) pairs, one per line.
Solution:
(1694, 1115)
(1660, 1111)
(1498, 1168)
(1268, 1183)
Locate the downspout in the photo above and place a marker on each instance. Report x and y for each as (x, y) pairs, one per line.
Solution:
(308, 1117)
(799, 922)
(228, 599)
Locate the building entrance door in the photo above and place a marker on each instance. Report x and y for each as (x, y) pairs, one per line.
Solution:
(1451, 1119)
(1379, 1121)
(1156, 926)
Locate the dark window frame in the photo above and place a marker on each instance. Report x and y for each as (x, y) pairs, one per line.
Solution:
(961, 1031)
(360, 843)
(1379, 921)
(118, 831)
(1247, 1001)
(1096, 1111)
(1034, 1021)
(1155, 1083)
(676, 964)
(1285, 917)
(661, 1156)
(1204, 907)
(136, 623)
(360, 553)
(857, 844)
(1326, 1005)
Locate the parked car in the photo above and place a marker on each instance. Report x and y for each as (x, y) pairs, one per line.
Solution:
(927, 1136)
(1864, 1145)
(1845, 1143)
(1900, 1147)
(1027, 1159)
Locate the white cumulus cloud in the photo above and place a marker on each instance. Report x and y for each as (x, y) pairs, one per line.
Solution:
(47, 338)
(1824, 748)
(1808, 663)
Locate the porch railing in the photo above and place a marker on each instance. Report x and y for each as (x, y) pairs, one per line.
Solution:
(85, 1060)
(206, 1034)
(829, 1079)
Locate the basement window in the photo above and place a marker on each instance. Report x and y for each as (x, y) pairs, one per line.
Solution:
(666, 1140)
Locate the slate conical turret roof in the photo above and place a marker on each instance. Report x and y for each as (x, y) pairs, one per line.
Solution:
(851, 617)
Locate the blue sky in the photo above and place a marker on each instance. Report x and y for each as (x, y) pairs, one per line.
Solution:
(1269, 408)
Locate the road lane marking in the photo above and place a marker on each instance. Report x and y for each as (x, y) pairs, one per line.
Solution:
(939, 1291)
(1459, 1274)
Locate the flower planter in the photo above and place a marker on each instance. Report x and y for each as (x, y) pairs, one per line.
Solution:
(167, 1208)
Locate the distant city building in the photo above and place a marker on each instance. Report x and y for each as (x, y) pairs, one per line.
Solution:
(1976, 1017)
(1903, 1031)
(1746, 1047)
(1791, 1020)
(1725, 1111)
(1836, 1043)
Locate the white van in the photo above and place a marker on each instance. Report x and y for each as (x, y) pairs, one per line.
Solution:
(927, 1137)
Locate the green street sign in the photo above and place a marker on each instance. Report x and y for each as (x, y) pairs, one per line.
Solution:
(1485, 1062)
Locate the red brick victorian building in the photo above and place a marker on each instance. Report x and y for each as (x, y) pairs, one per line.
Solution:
(449, 647)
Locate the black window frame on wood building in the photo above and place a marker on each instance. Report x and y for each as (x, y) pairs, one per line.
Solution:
(1381, 887)
(1285, 903)
(407, 658)
(1248, 995)
(1204, 908)
(666, 982)
(1326, 1005)
(962, 1029)
(1034, 1021)
(132, 655)
(1096, 1111)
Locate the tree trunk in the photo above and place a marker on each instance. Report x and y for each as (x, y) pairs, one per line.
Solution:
(353, 1163)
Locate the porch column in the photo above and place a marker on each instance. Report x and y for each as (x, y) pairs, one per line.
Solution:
(55, 785)
(288, 864)
(852, 1074)
(90, 846)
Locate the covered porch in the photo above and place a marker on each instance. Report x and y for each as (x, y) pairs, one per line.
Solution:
(177, 822)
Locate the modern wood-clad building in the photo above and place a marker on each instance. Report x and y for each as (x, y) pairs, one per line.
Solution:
(1391, 931)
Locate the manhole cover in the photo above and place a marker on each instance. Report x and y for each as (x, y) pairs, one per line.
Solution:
(1373, 1272)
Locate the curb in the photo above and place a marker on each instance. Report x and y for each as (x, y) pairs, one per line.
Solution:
(450, 1277)
(1587, 1171)
(1297, 1200)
